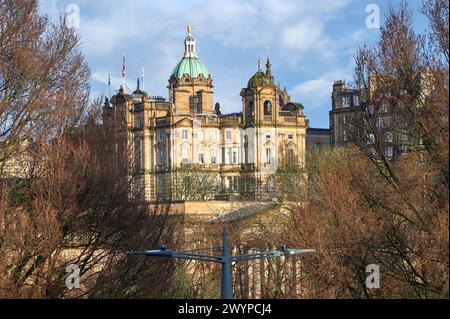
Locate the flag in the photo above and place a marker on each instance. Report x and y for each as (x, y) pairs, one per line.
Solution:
(123, 67)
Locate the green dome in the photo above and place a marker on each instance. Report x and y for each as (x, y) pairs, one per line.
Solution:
(191, 66)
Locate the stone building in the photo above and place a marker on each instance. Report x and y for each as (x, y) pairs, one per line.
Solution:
(368, 119)
(317, 138)
(186, 133)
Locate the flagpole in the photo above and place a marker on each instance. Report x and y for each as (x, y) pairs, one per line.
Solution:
(109, 85)
(143, 79)
(123, 70)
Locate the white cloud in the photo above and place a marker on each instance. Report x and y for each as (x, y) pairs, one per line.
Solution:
(317, 92)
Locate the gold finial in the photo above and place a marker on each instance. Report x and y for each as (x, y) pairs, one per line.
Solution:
(189, 29)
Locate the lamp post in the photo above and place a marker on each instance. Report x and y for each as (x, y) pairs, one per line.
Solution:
(225, 259)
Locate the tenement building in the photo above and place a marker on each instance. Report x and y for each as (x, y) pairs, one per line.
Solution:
(185, 148)
(367, 118)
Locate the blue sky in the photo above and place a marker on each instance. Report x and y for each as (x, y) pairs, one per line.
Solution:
(312, 43)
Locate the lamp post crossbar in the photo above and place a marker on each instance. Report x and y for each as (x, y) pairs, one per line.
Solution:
(225, 259)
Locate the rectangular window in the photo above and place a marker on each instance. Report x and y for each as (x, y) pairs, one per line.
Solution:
(268, 136)
(201, 158)
(389, 137)
(162, 157)
(213, 136)
(185, 135)
(236, 183)
(229, 155)
(138, 123)
(356, 100)
(161, 185)
(201, 136)
(213, 156)
(228, 136)
(229, 183)
(346, 101)
(161, 136)
(185, 156)
(268, 156)
(290, 136)
(370, 138)
(389, 152)
(235, 157)
(139, 153)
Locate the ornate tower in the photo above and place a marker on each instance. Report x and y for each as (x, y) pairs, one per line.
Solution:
(190, 84)
(261, 98)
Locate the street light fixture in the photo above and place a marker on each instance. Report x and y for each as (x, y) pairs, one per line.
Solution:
(225, 259)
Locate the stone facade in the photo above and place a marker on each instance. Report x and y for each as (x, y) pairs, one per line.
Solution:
(187, 133)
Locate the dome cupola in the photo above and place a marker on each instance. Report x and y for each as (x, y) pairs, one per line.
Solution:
(190, 64)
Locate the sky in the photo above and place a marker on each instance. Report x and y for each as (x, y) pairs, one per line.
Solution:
(312, 43)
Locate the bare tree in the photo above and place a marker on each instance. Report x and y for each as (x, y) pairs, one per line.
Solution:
(72, 204)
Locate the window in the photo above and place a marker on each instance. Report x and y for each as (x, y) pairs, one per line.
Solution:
(201, 136)
(290, 136)
(213, 135)
(161, 185)
(213, 156)
(162, 157)
(268, 108)
(138, 123)
(356, 100)
(185, 135)
(388, 137)
(201, 157)
(228, 182)
(389, 152)
(185, 156)
(268, 156)
(235, 156)
(236, 183)
(268, 136)
(139, 153)
(384, 122)
(346, 101)
(229, 155)
(370, 138)
(228, 136)
(161, 136)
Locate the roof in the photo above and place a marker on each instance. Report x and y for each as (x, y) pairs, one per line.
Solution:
(260, 79)
(191, 66)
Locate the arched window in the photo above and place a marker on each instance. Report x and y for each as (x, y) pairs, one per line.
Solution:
(267, 108)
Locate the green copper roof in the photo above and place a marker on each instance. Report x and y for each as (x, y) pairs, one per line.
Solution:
(191, 66)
